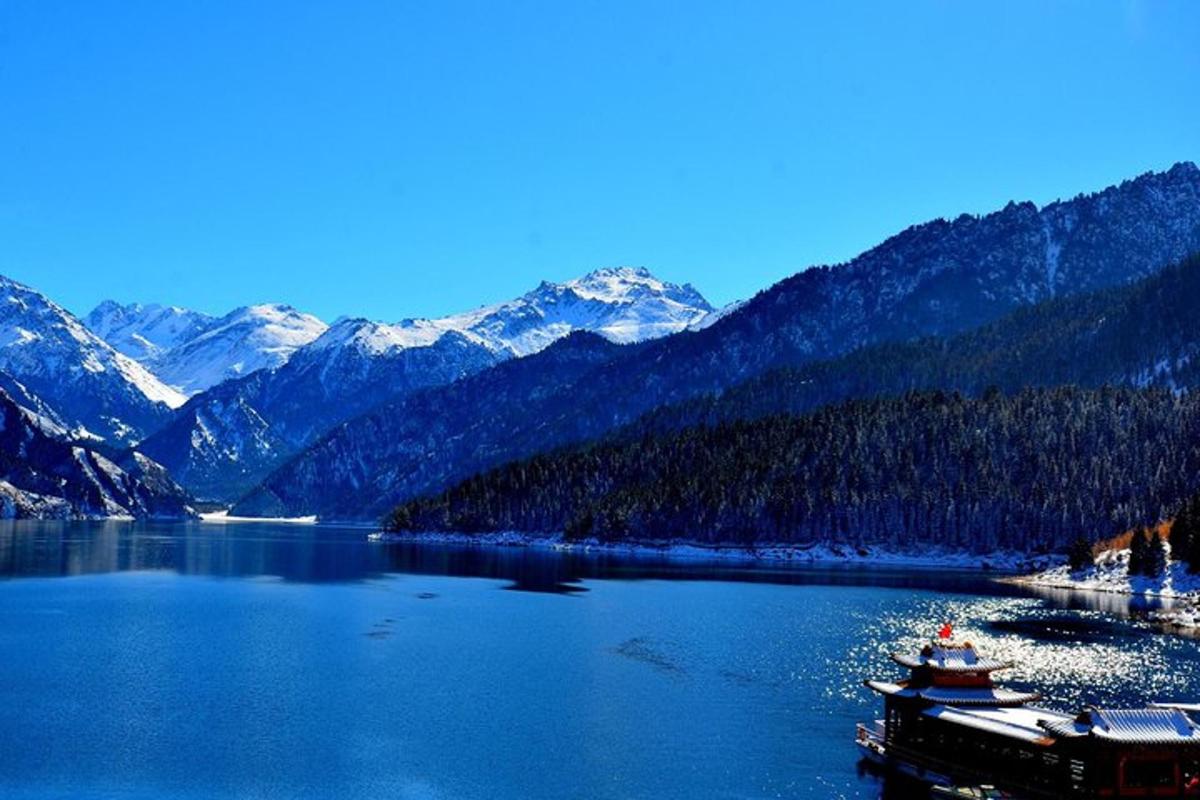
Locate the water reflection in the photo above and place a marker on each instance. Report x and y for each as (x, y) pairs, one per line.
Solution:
(329, 554)
(1112, 602)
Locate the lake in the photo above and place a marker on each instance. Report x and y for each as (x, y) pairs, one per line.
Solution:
(283, 661)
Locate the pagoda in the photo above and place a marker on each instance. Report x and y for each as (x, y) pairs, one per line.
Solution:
(948, 724)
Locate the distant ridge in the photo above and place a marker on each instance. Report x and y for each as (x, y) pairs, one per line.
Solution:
(191, 351)
(227, 439)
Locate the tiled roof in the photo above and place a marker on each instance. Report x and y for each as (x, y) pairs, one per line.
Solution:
(1144, 725)
(1131, 726)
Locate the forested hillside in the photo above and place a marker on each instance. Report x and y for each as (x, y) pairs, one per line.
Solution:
(1145, 334)
(1031, 471)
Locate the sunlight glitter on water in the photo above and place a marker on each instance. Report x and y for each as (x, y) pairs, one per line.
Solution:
(1097, 659)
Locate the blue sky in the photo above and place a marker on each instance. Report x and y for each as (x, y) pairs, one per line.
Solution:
(393, 159)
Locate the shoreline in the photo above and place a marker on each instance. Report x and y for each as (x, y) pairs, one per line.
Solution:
(224, 516)
(774, 555)
(1110, 575)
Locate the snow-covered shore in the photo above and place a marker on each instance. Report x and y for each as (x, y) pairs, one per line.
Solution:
(933, 558)
(1110, 574)
(224, 516)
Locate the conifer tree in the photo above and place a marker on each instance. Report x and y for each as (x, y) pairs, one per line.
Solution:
(1156, 560)
(1137, 553)
(1182, 532)
(1081, 554)
(1188, 549)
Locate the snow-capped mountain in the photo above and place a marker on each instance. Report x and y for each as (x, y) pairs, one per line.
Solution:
(225, 440)
(243, 341)
(43, 475)
(145, 332)
(191, 351)
(622, 304)
(92, 389)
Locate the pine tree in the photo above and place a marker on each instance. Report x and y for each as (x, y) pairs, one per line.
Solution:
(1137, 553)
(1182, 532)
(1156, 560)
(1189, 548)
(1081, 555)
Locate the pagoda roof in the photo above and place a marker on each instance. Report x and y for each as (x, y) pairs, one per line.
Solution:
(949, 658)
(1130, 726)
(957, 696)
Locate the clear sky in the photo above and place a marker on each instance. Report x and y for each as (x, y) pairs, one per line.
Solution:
(393, 159)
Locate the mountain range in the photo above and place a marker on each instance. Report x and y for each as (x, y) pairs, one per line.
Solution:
(224, 441)
(865, 442)
(939, 278)
(271, 410)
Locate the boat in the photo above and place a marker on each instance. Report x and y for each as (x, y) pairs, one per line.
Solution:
(949, 726)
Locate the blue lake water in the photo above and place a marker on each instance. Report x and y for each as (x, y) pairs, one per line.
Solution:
(277, 661)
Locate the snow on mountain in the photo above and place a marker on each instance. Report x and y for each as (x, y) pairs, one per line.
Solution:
(192, 351)
(228, 438)
(145, 332)
(37, 411)
(243, 341)
(715, 315)
(622, 304)
(91, 388)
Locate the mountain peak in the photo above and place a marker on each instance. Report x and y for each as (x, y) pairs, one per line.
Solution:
(144, 331)
(88, 383)
(1184, 169)
(193, 351)
(627, 273)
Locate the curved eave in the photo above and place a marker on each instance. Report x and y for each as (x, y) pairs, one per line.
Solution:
(889, 688)
(997, 698)
(991, 697)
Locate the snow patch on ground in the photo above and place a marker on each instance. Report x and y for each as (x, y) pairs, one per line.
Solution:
(1110, 573)
(224, 516)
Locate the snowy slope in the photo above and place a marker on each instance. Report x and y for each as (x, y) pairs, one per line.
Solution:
(243, 341)
(145, 332)
(89, 385)
(191, 351)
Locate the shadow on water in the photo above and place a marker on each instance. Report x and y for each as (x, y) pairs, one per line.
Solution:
(329, 554)
(1065, 627)
(892, 785)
